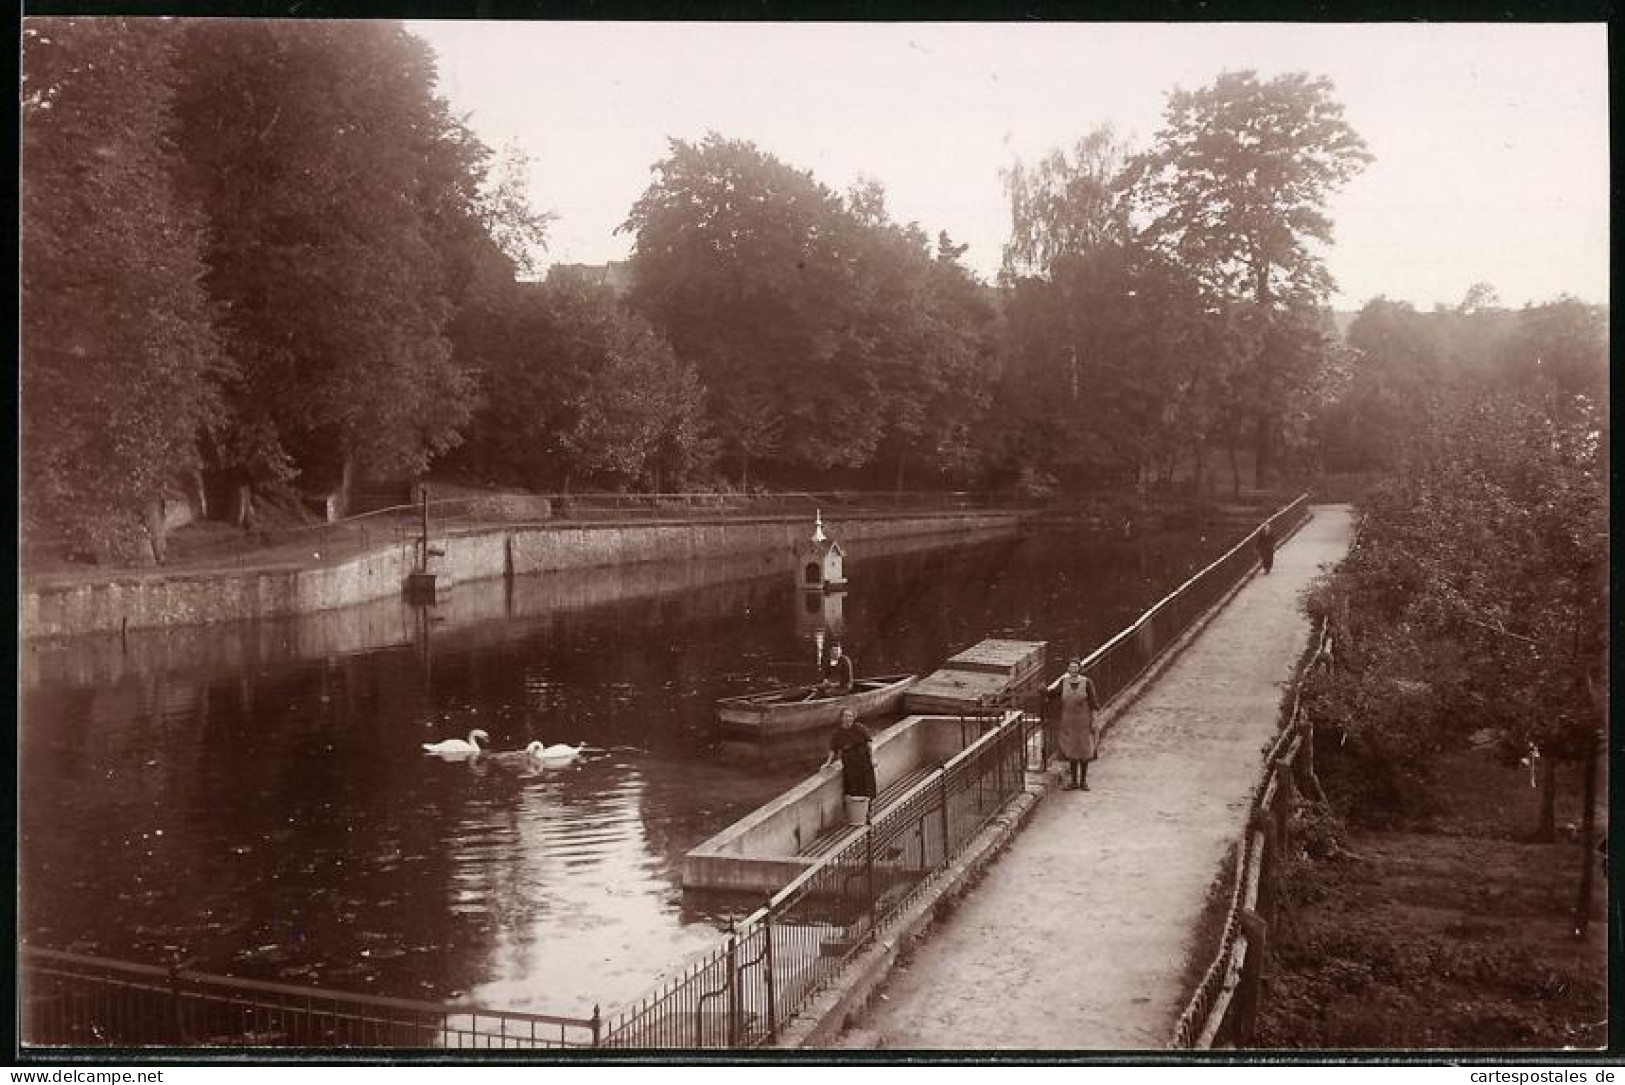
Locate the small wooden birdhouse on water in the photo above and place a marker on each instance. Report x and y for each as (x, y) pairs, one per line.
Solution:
(820, 562)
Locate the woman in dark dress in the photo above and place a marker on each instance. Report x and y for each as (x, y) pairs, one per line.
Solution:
(1266, 547)
(850, 743)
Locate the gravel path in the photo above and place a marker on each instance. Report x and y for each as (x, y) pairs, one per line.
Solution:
(1077, 937)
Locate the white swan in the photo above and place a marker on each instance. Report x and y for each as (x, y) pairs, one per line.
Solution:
(457, 745)
(558, 754)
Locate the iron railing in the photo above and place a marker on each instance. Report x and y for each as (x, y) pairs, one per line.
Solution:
(1127, 656)
(71, 1000)
(1116, 665)
(781, 955)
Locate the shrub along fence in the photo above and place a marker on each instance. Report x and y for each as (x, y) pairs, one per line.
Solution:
(1223, 1009)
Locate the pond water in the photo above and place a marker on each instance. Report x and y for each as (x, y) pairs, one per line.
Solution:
(253, 799)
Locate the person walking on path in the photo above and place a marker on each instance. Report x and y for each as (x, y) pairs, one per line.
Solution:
(850, 743)
(1266, 547)
(1075, 734)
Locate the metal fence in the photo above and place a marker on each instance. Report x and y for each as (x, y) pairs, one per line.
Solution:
(785, 952)
(1122, 660)
(1115, 665)
(70, 1000)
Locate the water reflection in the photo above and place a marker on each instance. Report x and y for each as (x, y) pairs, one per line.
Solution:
(253, 799)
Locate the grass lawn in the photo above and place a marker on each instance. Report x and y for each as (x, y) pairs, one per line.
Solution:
(1453, 932)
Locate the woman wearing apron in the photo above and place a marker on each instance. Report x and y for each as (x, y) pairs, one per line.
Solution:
(1075, 734)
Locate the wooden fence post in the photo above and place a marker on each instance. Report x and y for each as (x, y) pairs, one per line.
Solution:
(1256, 928)
(1266, 862)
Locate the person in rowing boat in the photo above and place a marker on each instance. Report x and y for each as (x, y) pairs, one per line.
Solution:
(837, 676)
(1075, 734)
(850, 743)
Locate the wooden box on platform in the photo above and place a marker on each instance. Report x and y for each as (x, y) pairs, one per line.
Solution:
(981, 673)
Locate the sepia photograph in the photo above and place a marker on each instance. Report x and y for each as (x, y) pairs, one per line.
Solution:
(556, 540)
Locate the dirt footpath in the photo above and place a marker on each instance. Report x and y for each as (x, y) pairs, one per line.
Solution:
(1077, 938)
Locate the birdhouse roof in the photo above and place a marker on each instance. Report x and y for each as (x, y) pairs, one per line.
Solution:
(828, 546)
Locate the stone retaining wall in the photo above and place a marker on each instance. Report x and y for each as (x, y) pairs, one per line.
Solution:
(160, 600)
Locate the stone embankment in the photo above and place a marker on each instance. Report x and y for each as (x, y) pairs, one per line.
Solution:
(156, 599)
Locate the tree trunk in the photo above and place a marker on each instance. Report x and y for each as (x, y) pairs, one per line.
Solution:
(1262, 452)
(154, 518)
(200, 494)
(1235, 471)
(341, 507)
(1546, 829)
(1199, 463)
(242, 514)
(1588, 841)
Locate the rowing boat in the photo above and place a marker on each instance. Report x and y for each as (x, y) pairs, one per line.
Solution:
(804, 708)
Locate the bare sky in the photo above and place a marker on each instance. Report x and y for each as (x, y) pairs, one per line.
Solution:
(1491, 141)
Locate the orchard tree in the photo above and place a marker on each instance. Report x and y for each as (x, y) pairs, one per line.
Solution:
(120, 366)
(1477, 598)
(1235, 189)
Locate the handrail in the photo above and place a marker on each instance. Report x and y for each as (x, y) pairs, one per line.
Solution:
(1167, 600)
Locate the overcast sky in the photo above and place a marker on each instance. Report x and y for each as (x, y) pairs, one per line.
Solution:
(1491, 141)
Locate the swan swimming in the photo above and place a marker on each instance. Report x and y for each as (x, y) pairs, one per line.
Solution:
(557, 754)
(457, 745)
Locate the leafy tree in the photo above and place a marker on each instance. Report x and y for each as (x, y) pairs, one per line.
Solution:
(320, 155)
(1559, 348)
(120, 364)
(584, 390)
(1111, 363)
(1065, 205)
(1235, 189)
(736, 262)
(827, 336)
(919, 328)
(637, 415)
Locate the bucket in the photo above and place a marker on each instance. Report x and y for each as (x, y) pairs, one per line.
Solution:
(857, 809)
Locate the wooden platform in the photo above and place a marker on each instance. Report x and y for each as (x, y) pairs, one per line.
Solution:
(833, 839)
(1015, 659)
(977, 675)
